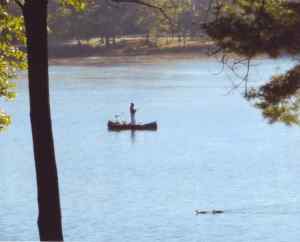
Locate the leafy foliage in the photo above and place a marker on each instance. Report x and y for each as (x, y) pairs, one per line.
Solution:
(279, 99)
(11, 57)
(252, 27)
(79, 5)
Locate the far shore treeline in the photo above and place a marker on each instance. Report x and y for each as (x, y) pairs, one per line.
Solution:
(125, 29)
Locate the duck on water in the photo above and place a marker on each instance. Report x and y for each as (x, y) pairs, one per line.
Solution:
(119, 126)
(198, 212)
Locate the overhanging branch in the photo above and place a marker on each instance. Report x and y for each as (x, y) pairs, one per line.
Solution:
(18, 2)
(146, 4)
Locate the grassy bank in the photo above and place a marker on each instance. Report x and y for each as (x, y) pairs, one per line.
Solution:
(127, 50)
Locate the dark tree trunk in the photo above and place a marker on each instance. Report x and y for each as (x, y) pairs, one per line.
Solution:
(79, 44)
(184, 39)
(107, 41)
(101, 40)
(167, 39)
(49, 219)
(179, 38)
(114, 40)
(147, 38)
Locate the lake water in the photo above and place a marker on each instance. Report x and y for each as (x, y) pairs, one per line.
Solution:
(212, 151)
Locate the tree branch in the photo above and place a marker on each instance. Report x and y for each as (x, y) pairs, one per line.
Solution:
(141, 2)
(18, 2)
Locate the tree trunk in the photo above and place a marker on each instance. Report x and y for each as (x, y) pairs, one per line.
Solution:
(79, 44)
(147, 38)
(179, 38)
(107, 41)
(114, 40)
(49, 219)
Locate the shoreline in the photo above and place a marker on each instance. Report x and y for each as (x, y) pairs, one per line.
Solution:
(126, 59)
(150, 56)
(132, 56)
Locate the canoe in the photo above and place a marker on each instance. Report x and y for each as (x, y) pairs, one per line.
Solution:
(116, 126)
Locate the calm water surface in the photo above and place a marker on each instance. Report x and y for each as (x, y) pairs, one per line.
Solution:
(212, 151)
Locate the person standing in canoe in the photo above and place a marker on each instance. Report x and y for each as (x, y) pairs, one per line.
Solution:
(132, 111)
